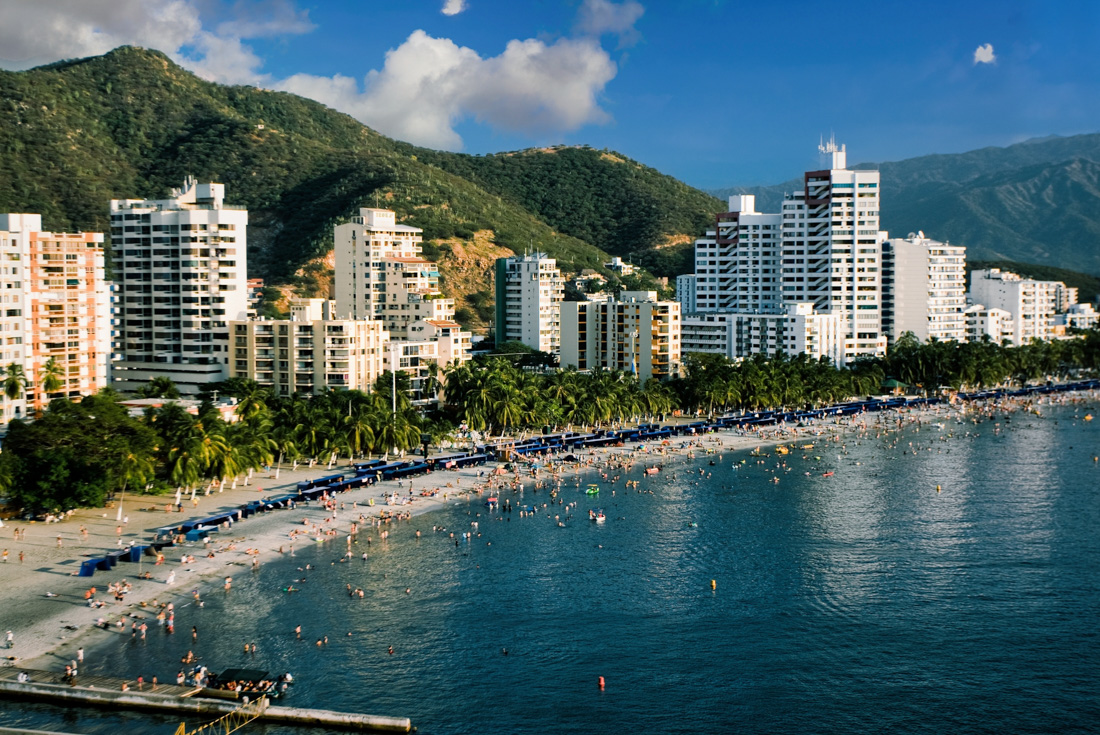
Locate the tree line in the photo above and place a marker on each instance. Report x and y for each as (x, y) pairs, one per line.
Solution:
(80, 453)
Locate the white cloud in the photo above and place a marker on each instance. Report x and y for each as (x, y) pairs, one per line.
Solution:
(984, 54)
(34, 33)
(425, 88)
(600, 17)
(453, 7)
(430, 84)
(265, 19)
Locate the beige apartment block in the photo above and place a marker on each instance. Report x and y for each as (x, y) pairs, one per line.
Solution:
(636, 333)
(311, 352)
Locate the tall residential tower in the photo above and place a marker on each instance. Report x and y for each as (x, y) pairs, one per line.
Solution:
(180, 264)
(529, 292)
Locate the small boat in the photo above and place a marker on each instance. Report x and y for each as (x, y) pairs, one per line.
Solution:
(593, 489)
(1088, 417)
(827, 474)
(597, 515)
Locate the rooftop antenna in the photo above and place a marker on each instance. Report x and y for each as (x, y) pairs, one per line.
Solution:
(830, 148)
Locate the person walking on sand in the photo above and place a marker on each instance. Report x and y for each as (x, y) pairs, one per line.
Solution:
(171, 577)
(10, 639)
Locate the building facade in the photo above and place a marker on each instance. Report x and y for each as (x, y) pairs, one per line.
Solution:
(737, 335)
(824, 249)
(529, 292)
(636, 333)
(686, 293)
(832, 250)
(54, 305)
(312, 352)
(738, 264)
(180, 264)
(1032, 305)
(923, 289)
(983, 322)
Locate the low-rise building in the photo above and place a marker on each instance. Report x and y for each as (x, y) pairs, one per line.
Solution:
(635, 332)
(311, 352)
(619, 266)
(738, 335)
(1032, 304)
(983, 321)
(1078, 316)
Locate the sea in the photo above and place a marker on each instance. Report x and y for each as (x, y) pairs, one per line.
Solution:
(944, 578)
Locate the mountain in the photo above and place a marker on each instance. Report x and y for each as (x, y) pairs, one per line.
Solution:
(133, 124)
(1033, 202)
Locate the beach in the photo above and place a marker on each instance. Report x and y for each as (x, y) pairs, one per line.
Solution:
(45, 605)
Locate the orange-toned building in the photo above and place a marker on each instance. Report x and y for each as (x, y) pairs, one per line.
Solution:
(56, 304)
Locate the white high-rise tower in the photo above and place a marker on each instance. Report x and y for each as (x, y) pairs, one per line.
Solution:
(180, 265)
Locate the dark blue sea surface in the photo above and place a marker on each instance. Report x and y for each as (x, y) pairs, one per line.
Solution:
(864, 602)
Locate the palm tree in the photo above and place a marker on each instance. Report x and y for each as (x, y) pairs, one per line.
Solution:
(51, 376)
(159, 387)
(15, 381)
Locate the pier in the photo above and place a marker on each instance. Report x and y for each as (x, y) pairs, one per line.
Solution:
(105, 691)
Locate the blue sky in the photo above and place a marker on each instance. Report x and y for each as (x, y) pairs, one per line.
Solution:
(712, 92)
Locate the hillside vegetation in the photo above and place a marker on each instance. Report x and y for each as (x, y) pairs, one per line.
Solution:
(132, 124)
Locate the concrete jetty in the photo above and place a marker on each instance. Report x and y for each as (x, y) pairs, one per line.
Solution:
(101, 691)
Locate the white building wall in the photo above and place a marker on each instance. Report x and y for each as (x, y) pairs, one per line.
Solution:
(1031, 304)
(924, 289)
(529, 293)
(181, 267)
(685, 292)
(981, 322)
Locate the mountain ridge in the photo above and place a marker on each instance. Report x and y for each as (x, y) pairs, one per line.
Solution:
(1037, 201)
(132, 124)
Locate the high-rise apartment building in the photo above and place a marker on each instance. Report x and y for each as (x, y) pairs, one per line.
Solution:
(923, 289)
(738, 265)
(181, 268)
(529, 293)
(54, 306)
(635, 332)
(380, 275)
(832, 250)
(823, 248)
(685, 292)
(1031, 304)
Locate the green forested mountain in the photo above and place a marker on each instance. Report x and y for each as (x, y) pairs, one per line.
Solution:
(1034, 202)
(132, 124)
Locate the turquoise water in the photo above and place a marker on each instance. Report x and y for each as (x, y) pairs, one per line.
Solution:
(859, 603)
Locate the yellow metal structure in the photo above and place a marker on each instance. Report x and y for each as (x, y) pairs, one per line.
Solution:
(230, 722)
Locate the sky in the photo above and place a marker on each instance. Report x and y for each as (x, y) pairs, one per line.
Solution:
(713, 92)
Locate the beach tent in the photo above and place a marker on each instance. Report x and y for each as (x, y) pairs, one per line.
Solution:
(894, 385)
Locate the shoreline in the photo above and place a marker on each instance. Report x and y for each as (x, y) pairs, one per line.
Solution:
(63, 622)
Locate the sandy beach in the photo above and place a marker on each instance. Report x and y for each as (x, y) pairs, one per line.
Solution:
(45, 605)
